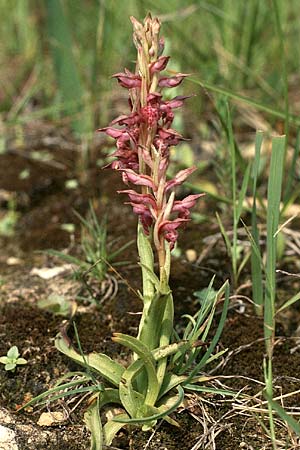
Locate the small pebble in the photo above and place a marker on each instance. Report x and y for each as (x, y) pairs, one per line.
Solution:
(191, 255)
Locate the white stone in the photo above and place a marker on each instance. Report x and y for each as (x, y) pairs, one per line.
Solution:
(7, 439)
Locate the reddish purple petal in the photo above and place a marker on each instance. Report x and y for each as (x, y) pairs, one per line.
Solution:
(115, 133)
(144, 214)
(145, 199)
(128, 80)
(169, 230)
(180, 177)
(187, 203)
(132, 119)
(139, 179)
(160, 64)
(172, 81)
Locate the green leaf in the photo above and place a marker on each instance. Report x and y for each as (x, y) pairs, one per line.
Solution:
(170, 382)
(162, 411)
(13, 353)
(93, 422)
(151, 276)
(151, 322)
(131, 399)
(105, 366)
(225, 236)
(68, 258)
(4, 360)
(147, 261)
(110, 395)
(10, 366)
(21, 361)
(111, 428)
(146, 356)
(57, 304)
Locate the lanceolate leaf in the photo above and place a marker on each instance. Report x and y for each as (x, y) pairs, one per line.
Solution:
(105, 366)
(142, 351)
(147, 260)
(93, 422)
(162, 412)
(111, 428)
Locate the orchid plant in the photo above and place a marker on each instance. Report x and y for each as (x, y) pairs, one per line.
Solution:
(162, 363)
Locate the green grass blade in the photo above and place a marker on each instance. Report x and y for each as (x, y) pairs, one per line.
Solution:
(256, 268)
(294, 119)
(292, 423)
(225, 236)
(283, 68)
(292, 173)
(243, 193)
(197, 388)
(68, 79)
(289, 302)
(273, 213)
(223, 290)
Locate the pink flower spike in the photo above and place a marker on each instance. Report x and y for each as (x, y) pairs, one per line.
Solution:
(128, 79)
(179, 178)
(140, 180)
(172, 81)
(160, 64)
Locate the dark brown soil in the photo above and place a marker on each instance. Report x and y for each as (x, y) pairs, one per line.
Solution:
(44, 205)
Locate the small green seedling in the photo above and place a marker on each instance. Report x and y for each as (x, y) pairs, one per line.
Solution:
(12, 360)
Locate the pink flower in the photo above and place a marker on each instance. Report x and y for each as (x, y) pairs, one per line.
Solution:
(172, 81)
(144, 214)
(146, 199)
(139, 179)
(115, 133)
(160, 64)
(132, 119)
(169, 230)
(128, 79)
(179, 178)
(183, 206)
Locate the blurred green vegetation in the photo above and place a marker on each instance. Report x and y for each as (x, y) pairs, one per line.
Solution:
(57, 56)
